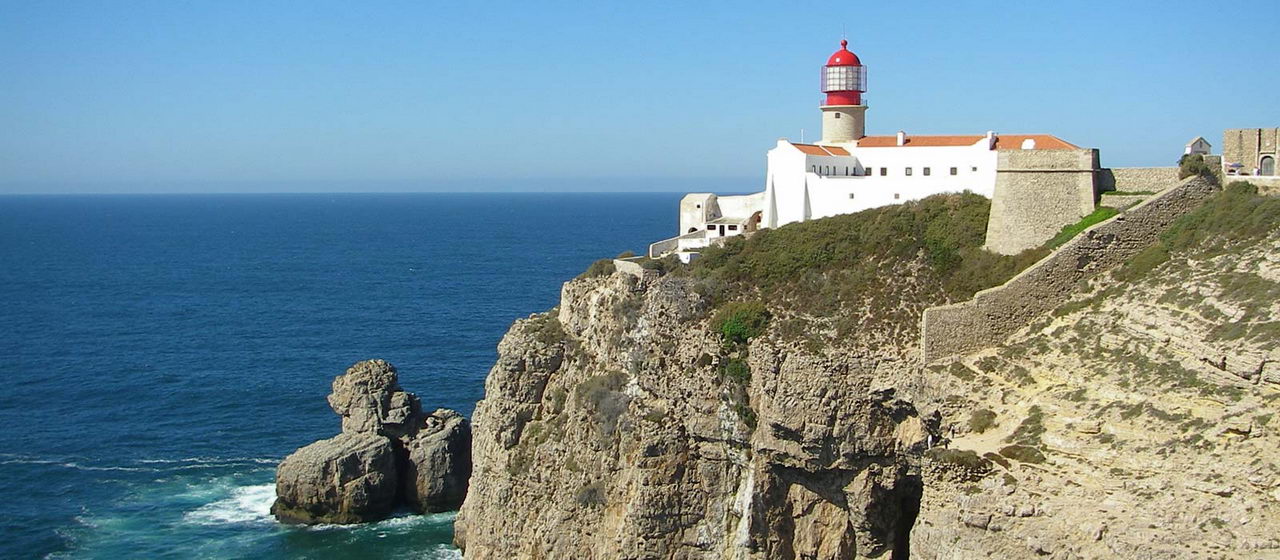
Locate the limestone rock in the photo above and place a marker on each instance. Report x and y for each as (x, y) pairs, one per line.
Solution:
(435, 477)
(368, 397)
(389, 455)
(349, 478)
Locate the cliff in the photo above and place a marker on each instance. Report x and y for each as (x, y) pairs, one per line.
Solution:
(771, 403)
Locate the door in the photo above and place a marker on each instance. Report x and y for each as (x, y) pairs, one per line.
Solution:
(1268, 166)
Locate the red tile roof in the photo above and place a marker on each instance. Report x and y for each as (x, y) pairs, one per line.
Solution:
(1003, 141)
(816, 150)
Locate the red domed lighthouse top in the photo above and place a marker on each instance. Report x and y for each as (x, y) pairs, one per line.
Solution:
(844, 57)
(844, 78)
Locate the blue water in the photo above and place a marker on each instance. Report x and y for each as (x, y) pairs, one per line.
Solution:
(160, 354)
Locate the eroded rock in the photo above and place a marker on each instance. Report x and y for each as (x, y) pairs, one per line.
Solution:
(349, 478)
(390, 454)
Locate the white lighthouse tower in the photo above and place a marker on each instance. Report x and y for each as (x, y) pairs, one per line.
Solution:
(844, 80)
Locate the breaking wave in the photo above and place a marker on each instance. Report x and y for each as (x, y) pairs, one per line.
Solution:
(247, 504)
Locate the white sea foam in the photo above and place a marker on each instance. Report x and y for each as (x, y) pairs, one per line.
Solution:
(247, 504)
(74, 465)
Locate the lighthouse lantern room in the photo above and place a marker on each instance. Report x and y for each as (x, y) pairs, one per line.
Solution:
(844, 80)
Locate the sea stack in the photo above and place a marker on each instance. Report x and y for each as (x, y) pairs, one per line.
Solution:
(390, 454)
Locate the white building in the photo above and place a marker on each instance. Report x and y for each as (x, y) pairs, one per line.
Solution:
(1198, 146)
(847, 171)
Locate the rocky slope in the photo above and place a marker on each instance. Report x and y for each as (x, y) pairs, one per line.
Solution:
(390, 454)
(1131, 423)
(1152, 403)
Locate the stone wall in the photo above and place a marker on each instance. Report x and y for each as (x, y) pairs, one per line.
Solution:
(1121, 201)
(1037, 193)
(1246, 145)
(1137, 179)
(993, 314)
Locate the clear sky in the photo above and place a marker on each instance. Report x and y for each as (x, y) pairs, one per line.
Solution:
(227, 96)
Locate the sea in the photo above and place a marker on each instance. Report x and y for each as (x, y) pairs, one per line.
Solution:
(160, 354)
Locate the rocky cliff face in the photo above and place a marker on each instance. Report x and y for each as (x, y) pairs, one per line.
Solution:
(1137, 421)
(389, 454)
(609, 430)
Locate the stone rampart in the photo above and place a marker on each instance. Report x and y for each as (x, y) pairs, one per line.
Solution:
(995, 313)
(1137, 179)
(1037, 193)
(1121, 201)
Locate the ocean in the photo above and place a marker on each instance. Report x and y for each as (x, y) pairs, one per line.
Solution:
(160, 354)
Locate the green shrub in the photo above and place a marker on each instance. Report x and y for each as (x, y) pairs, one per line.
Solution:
(737, 371)
(963, 458)
(663, 265)
(546, 328)
(981, 420)
(603, 397)
(994, 458)
(745, 414)
(1023, 453)
(1193, 164)
(741, 320)
(602, 267)
(591, 495)
(625, 255)
(1030, 430)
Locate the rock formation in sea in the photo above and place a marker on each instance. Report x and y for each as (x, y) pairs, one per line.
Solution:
(669, 417)
(390, 454)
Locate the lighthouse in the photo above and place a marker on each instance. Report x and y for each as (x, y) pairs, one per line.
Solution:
(847, 171)
(844, 80)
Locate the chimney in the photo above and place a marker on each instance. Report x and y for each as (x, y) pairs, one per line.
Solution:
(991, 139)
(902, 138)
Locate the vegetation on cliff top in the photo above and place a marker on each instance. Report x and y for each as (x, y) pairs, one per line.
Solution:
(1193, 164)
(1237, 216)
(873, 268)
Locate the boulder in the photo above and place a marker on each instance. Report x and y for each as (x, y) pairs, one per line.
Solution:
(439, 464)
(350, 478)
(368, 397)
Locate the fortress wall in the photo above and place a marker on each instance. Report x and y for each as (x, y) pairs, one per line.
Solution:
(1136, 179)
(1245, 145)
(1037, 193)
(995, 313)
(1121, 201)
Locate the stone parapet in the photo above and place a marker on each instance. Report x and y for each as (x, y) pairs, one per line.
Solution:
(995, 313)
(1137, 179)
(1122, 201)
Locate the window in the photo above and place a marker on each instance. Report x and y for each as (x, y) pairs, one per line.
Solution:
(974, 169)
(846, 171)
(733, 228)
(926, 171)
(884, 171)
(908, 174)
(850, 196)
(953, 171)
(837, 115)
(709, 228)
(897, 196)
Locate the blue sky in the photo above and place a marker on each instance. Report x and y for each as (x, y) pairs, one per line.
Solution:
(172, 96)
